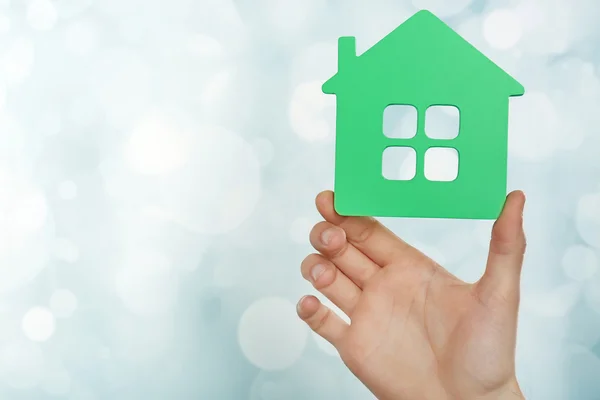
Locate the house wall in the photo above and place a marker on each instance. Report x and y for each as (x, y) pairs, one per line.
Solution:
(481, 144)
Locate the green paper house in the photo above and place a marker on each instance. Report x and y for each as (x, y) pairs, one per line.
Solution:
(422, 63)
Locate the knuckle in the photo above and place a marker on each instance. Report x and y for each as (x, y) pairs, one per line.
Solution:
(523, 244)
(364, 276)
(352, 303)
(365, 231)
(501, 244)
(507, 243)
(320, 321)
(340, 252)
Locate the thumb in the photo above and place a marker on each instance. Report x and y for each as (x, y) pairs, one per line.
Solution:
(502, 276)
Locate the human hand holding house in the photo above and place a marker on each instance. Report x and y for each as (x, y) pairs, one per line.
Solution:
(417, 331)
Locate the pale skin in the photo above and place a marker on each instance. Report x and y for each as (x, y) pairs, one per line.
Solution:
(417, 332)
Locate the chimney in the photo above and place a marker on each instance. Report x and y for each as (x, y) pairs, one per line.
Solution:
(346, 51)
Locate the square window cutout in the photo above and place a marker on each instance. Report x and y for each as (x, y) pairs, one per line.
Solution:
(442, 122)
(400, 121)
(441, 164)
(399, 163)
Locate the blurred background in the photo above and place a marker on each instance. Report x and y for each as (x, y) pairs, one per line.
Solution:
(158, 166)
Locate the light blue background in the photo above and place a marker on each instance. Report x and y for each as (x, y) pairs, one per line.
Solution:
(158, 165)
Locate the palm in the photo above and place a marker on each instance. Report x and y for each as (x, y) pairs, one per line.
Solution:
(416, 331)
(426, 319)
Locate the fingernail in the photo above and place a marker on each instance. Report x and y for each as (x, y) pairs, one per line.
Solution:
(299, 305)
(327, 235)
(317, 271)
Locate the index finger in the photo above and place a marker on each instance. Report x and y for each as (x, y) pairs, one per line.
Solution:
(367, 234)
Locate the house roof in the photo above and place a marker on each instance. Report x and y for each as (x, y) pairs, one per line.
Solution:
(433, 44)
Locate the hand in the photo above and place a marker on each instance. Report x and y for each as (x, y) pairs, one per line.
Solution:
(417, 332)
